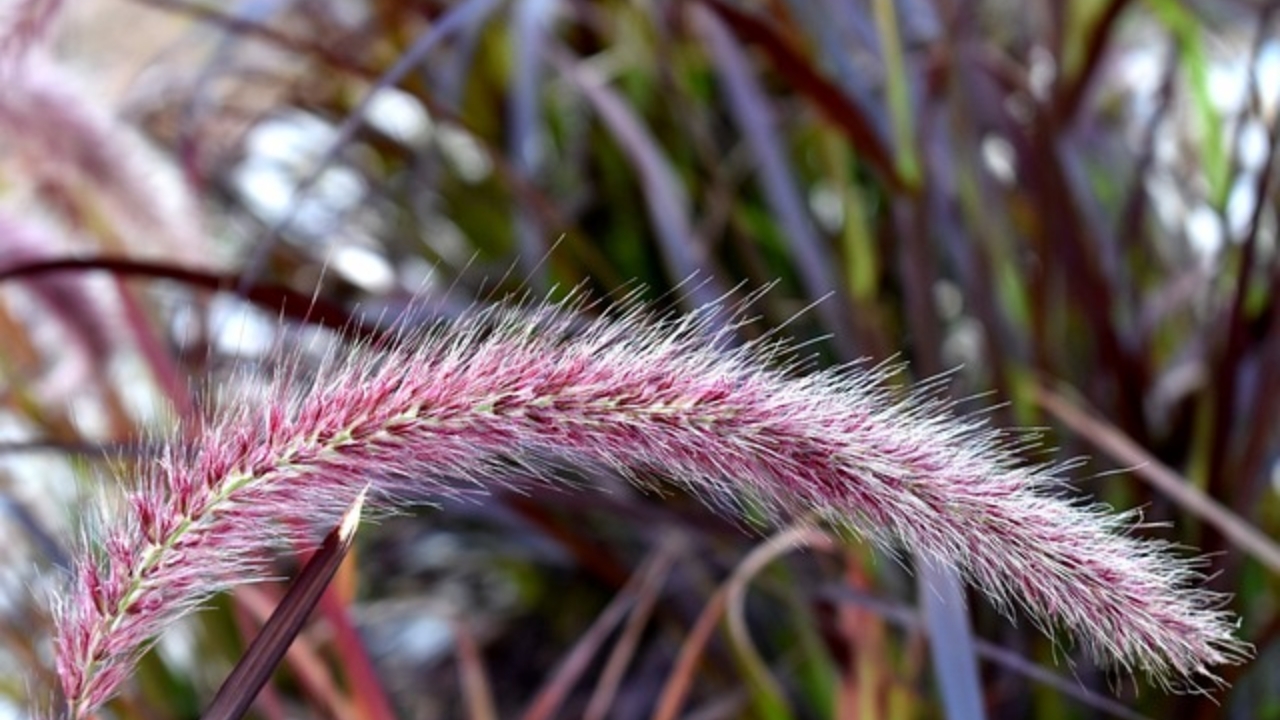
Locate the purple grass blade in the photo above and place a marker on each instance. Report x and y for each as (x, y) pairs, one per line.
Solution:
(685, 254)
(268, 648)
(907, 617)
(951, 641)
(863, 128)
(278, 299)
(526, 139)
(757, 121)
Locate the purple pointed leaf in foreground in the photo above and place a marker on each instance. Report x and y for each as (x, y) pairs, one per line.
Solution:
(253, 671)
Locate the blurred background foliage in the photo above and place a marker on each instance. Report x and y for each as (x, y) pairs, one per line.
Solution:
(1067, 204)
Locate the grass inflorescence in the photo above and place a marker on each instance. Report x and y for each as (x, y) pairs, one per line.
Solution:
(462, 407)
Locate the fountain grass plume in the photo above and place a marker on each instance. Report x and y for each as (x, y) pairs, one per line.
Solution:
(24, 26)
(454, 409)
(76, 156)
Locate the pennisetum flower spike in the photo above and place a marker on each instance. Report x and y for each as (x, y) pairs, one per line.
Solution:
(450, 410)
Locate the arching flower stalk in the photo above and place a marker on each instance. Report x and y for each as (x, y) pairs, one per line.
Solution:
(450, 412)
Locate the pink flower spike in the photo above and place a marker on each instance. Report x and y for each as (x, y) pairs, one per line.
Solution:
(447, 412)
